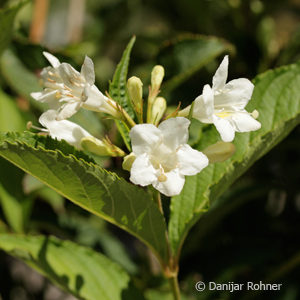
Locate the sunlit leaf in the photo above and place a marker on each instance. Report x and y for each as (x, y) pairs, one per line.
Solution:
(78, 270)
(117, 90)
(75, 177)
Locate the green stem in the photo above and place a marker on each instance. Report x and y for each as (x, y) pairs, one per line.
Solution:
(127, 119)
(172, 271)
(159, 204)
(173, 281)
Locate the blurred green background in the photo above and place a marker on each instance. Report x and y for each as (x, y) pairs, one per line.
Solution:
(255, 235)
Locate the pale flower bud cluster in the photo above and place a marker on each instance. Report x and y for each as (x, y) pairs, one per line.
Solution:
(160, 154)
(157, 76)
(135, 91)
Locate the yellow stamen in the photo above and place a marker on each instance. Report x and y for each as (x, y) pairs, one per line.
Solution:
(223, 114)
(67, 88)
(162, 178)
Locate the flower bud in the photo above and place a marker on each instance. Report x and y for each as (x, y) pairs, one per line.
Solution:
(158, 109)
(255, 114)
(219, 151)
(128, 161)
(157, 76)
(100, 147)
(135, 91)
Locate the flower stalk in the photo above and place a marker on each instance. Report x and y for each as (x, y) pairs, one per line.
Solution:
(173, 282)
(171, 270)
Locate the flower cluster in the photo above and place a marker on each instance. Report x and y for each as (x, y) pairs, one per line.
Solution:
(160, 155)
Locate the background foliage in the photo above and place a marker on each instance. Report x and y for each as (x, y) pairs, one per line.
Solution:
(251, 233)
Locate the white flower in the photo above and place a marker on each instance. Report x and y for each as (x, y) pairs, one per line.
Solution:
(66, 90)
(163, 156)
(224, 104)
(76, 135)
(63, 129)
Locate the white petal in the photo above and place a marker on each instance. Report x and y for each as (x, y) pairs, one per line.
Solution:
(190, 160)
(63, 130)
(173, 185)
(175, 132)
(87, 70)
(204, 105)
(47, 96)
(221, 74)
(144, 137)
(236, 95)
(142, 172)
(243, 122)
(52, 59)
(44, 96)
(225, 129)
(95, 100)
(69, 75)
(68, 110)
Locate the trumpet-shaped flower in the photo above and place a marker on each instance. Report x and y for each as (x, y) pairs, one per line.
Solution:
(63, 129)
(163, 157)
(224, 104)
(66, 90)
(76, 135)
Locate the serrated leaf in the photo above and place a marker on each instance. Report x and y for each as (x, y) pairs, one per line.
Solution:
(277, 98)
(187, 54)
(117, 90)
(7, 17)
(89, 186)
(78, 270)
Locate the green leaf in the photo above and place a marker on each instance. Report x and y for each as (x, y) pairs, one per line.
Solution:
(7, 17)
(11, 118)
(78, 270)
(277, 98)
(91, 232)
(19, 78)
(36, 189)
(89, 186)
(3, 227)
(117, 90)
(15, 205)
(187, 54)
